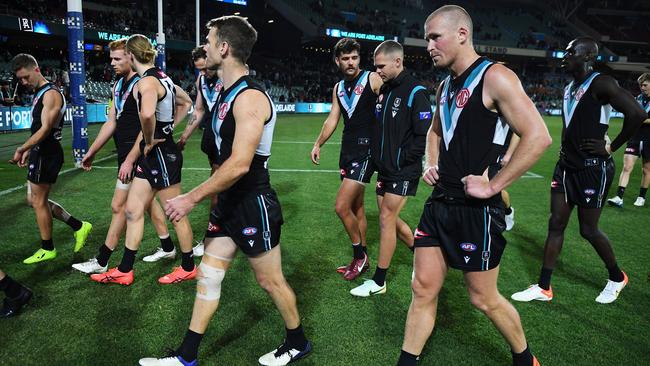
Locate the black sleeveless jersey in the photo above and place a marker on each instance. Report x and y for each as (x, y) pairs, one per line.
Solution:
(584, 117)
(51, 141)
(224, 126)
(166, 105)
(473, 136)
(209, 89)
(126, 115)
(357, 102)
(643, 134)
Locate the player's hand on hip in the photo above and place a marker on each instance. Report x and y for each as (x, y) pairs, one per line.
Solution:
(126, 172)
(149, 147)
(431, 175)
(179, 207)
(315, 155)
(595, 147)
(478, 186)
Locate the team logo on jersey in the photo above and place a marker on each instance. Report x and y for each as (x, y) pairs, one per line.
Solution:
(419, 234)
(249, 231)
(462, 98)
(590, 192)
(486, 255)
(358, 89)
(223, 110)
(213, 228)
(468, 247)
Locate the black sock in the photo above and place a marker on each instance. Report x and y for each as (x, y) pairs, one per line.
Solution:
(189, 349)
(380, 276)
(524, 358)
(408, 359)
(47, 244)
(127, 260)
(104, 255)
(296, 338)
(10, 287)
(620, 192)
(545, 278)
(167, 244)
(74, 223)
(365, 249)
(508, 210)
(615, 273)
(357, 249)
(642, 192)
(187, 261)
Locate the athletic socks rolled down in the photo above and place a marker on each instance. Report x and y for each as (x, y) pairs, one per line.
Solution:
(408, 359)
(166, 243)
(296, 338)
(10, 287)
(47, 244)
(524, 358)
(74, 223)
(189, 349)
(104, 255)
(357, 250)
(545, 278)
(127, 260)
(380, 276)
(187, 261)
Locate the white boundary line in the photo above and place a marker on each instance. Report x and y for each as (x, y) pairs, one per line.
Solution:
(7, 191)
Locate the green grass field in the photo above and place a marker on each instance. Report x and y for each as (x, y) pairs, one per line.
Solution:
(73, 321)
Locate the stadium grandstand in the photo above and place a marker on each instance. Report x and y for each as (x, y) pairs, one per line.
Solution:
(73, 321)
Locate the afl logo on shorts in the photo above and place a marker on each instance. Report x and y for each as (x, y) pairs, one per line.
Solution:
(462, 98)
(249, 231)
(358, 90)
(223, 110)
(468, 247)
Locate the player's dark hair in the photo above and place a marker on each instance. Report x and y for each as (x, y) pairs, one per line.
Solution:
(198, 53)
(23, 60)
(346, 45)
(238, 33)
